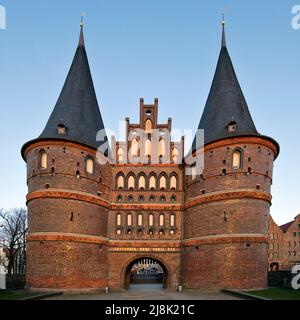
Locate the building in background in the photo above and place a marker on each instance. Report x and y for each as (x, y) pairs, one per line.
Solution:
(3, 259)
(284, 246)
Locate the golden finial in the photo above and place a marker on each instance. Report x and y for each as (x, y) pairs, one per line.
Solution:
(81, 19)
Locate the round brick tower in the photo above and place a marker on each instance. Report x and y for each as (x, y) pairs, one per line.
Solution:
(225, 242)
(68, 190)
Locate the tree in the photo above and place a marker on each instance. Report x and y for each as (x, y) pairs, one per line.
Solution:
(13, 231)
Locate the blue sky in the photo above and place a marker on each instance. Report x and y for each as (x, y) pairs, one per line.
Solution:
(150, 48)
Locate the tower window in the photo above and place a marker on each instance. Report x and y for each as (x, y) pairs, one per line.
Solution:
(89, 165)
(61, 129)
(237, 159)
(43, 159)
(232, 127)
(162, 199)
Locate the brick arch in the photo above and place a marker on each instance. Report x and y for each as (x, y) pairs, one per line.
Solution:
(130, 174)
(128, 264)
(152, 174)
(120, 174)
(163, 174)
(174, 174)
(141, 174)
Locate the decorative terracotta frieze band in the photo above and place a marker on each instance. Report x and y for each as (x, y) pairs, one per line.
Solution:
(229, 195)
(67, 237)
(227, 238)
(67, 194)
(140, 206)
(240, 140)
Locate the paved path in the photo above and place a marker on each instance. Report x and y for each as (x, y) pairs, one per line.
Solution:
(149, 292)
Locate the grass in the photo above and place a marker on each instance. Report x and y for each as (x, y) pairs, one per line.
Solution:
(14, 295)
(278, 294)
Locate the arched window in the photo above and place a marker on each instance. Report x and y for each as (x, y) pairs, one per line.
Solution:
(119, 219)
(131, 182)
(150, 220)
(173, 198)
(134, 148)
(43, 159)
(163, 183)
(120, 182)
(237, 159)
(89, 165)
(162, 199)
(120, 154)
(129, 219)
(148, 126)
(152, 199)
(161, 220)
(173, 183)
(142, 183)
(162, 148)
(172, 220)
(175, 155)
(130, 198)
(152, 183)
(140, 219)
(148, 148)
(141, 198)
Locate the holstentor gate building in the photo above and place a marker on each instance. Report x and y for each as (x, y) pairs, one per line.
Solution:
(89, 222)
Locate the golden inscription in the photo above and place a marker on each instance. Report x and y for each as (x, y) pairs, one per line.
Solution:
(142, 249)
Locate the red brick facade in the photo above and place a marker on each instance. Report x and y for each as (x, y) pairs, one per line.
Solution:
(284, 244)
(86, 229)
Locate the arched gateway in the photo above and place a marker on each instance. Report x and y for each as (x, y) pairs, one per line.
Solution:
(146, 271)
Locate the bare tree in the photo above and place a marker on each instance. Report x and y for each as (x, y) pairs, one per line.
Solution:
(13, 231)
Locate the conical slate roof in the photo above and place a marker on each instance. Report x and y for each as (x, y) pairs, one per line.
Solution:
(226, 103)
(76, 111)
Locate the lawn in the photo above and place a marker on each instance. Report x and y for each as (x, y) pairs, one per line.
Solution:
(278, 294)
(13, 295)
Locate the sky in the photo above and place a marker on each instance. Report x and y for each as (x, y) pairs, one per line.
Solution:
(150, 48)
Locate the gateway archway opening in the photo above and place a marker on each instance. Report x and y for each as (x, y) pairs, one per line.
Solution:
(146, 274)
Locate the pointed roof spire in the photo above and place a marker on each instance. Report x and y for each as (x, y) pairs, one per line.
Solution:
(81, 37)
(226, 104)
(76, 111)
(223, 32)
